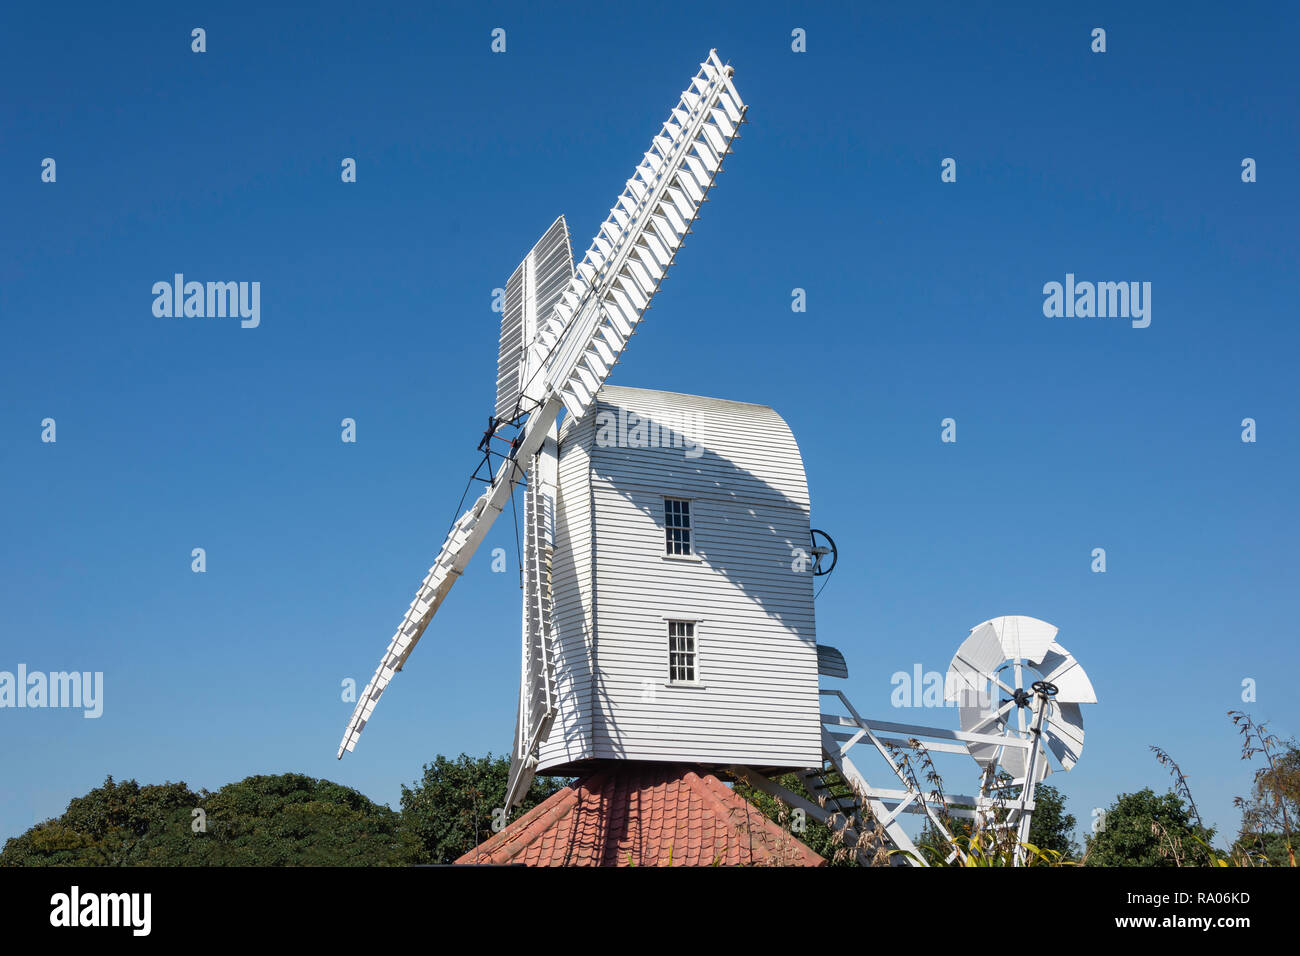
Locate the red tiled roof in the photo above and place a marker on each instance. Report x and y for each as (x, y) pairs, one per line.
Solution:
(644, 814)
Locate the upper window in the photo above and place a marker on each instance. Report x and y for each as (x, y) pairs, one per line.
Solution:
(677, 525)
(681, 652)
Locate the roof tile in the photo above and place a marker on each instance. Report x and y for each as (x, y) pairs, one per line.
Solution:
(644, 814)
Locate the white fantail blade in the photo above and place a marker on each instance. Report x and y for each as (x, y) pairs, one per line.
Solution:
(977, 720)
(992, 644)
(1015, 761)
(1060, 668)
(980, 680)
(1065, 733)
(532, 292)
(1024, 638)
(986, 714)
(975, 662)
(614, 283)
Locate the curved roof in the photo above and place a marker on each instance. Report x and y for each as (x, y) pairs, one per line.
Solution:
(716, 440)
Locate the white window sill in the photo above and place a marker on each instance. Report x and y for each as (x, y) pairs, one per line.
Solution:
(686, 683)
(683, 557)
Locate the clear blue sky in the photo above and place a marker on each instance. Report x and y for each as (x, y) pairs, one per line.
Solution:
(924, 302)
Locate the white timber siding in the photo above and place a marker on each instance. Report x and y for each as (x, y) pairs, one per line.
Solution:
(755, 698)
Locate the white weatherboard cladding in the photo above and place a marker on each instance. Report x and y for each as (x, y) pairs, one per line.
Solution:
(756, 700)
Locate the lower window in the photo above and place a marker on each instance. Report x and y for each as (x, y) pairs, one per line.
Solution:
(681, 652)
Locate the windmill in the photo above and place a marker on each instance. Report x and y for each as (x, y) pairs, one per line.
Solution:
(1009, 737)
(667, 565)
(563, 329)
(998, 657)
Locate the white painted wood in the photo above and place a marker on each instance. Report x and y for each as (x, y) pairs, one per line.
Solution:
(1004, 646)
(756, 701)
(634, 247)
(605, 296)
(537, 667)
(978, 675)
(572, 605)
(532, 292)
(455, 554)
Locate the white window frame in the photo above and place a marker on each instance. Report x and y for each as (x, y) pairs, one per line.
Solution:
(694, 622)
(691, 554)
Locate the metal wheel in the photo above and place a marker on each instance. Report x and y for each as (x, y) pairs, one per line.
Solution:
(820, 550)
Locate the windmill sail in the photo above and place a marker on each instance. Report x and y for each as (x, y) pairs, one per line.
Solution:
(531, 294)
(577, 345)
(634, 247)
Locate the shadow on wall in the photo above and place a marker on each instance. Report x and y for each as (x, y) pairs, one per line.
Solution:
(750, 531)
(699, 471)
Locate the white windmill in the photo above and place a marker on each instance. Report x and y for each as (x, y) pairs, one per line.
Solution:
(998, 658)
(563, 329)
(667, 555)
(1010, 738)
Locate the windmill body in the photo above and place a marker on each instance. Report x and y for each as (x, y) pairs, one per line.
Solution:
(683, 625)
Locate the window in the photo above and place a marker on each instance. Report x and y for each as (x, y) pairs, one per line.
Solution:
(681, 652)
(677, 525)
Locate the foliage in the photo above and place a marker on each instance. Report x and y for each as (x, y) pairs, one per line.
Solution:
(288, 819)
(1261, 849)
(282, 820)
(1143, 829)
(1269, 814)
(449, 811)
(1051, 832)
(1052, 829)
(292, 819)
(1266, 835)
(1181, 787)
(983, 849)
(818, 837)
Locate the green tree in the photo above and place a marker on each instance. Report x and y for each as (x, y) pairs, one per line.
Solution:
(1051, 827)
(1143, 829)
(111, 825)
(282, 820)
(294, 820)
(449, 811)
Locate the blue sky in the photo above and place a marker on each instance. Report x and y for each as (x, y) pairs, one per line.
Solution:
(924, 302)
